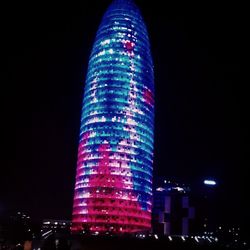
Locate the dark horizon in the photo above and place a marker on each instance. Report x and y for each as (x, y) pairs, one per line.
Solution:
(198, 57)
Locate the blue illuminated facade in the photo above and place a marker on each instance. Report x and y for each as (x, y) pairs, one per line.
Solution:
(113, 188)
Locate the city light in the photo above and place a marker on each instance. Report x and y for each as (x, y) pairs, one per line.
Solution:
(210, 182)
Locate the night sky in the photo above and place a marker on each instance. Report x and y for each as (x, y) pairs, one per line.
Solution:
(198, 52)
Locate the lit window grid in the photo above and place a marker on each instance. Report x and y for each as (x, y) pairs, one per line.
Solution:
(101, 120)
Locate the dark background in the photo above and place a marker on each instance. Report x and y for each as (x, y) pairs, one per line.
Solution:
(198, 52)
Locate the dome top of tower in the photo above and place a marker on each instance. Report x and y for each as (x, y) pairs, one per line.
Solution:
(124, 4)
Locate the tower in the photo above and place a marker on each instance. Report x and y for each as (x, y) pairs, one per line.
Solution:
(113, 187)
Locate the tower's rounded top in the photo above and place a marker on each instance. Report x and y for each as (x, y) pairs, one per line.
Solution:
(124, 4)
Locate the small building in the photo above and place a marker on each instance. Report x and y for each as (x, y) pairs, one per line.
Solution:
(172, 211)
(56, 225)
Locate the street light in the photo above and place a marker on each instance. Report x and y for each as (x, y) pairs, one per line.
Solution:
(210, 182)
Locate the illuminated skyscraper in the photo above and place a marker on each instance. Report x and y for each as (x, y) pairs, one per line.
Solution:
(113, 189)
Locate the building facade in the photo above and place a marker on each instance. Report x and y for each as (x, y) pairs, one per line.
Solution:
(173, 213)
(54, 225)
(113, 187)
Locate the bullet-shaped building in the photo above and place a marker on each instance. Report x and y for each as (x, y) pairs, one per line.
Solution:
(113, 187)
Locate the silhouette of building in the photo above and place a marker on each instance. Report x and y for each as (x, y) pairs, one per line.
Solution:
(172, 211)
